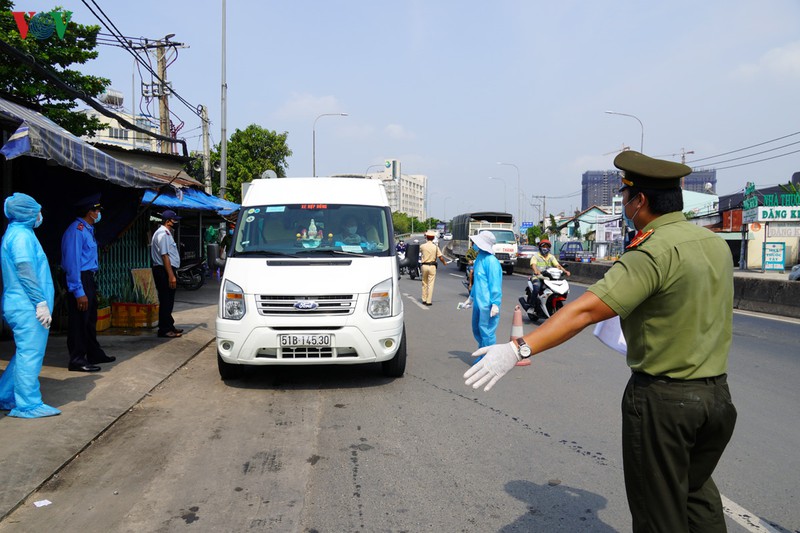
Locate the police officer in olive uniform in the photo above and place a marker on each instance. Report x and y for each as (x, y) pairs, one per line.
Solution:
(80, 263)
(430, 253)
(673, 292)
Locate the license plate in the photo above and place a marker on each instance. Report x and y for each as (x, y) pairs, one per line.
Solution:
(304, 340)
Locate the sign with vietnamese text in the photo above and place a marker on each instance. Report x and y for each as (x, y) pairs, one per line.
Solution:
(774, 255)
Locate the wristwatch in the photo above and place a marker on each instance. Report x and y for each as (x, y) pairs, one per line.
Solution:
(524, 349)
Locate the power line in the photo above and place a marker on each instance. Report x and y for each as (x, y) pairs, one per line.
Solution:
(745, 148)
(759, 160)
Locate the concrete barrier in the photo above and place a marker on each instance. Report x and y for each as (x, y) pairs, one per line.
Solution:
(750, 293)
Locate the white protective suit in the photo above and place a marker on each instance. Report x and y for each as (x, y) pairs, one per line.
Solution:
(27, 301)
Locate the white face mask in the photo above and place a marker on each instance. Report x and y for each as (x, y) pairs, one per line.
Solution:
(39, 220)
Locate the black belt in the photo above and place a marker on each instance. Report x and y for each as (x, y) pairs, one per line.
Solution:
(713, 380)
(429, 263)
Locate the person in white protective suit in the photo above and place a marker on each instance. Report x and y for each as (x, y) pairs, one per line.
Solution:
(487, 290)
(27, 301)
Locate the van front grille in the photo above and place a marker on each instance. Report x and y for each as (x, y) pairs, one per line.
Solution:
(331, 304)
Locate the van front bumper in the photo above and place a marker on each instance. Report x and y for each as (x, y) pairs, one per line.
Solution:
(251, 342)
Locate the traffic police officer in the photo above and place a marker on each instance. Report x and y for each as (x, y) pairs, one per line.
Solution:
(430, 253)
(79, 261)
(673, 292)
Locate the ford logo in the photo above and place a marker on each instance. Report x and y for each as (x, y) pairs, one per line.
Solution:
(305, 305)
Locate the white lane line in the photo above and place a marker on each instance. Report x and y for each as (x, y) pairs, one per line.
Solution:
(746, 519)
(416, 301)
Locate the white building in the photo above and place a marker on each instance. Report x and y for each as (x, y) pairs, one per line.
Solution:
(407, 192)
(118, 135)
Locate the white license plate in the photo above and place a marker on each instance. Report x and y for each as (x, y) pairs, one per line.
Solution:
(304, 340)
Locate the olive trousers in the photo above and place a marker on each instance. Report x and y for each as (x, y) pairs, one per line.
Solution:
(673, 435)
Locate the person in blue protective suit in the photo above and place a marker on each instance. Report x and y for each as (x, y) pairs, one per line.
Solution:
(27, 301)
(80, 263)
(487, 290)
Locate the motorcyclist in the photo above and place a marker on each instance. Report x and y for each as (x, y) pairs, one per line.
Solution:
(401, 246)
(541, 260)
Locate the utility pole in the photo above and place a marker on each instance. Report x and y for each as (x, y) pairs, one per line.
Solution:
(223, 142)
(544, 210)
(206, 151)
(163, 99)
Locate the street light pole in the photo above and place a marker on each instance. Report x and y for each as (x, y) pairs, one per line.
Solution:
(505, 206)
(519, 193)
(314, 139)
(445, 209)
(641, 144)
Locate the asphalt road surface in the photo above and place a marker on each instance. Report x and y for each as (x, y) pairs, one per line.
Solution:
(341, 448)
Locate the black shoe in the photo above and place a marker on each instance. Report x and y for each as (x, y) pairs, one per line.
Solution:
(105, 359)
(84, 368)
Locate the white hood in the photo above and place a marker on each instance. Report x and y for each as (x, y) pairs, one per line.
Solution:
(296, 277)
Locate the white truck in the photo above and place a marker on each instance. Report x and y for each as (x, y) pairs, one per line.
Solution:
(501, 224)
(311, 278)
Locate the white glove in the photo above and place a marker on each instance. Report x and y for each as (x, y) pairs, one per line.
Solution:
(466, 304)
(494, 311)
(497, 361)
(43, 314)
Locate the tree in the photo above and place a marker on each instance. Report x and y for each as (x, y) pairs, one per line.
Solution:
(250, 152)
(553, 228)
(22, 81)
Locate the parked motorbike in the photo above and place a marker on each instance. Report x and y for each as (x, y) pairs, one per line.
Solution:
(550, 298)
(191, 276)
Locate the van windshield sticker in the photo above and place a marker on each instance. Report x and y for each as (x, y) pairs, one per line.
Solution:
(275, 209)
(250, 218)
(356, 249)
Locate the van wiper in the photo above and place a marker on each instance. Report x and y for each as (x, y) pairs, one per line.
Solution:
(262, 253)
(342, 252)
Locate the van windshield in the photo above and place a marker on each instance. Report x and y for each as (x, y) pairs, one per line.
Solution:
(305, 230)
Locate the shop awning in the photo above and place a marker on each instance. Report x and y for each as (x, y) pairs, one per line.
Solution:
(38, 136)
(189, 199)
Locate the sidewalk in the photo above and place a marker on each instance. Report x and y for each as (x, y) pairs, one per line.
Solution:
(33, 450)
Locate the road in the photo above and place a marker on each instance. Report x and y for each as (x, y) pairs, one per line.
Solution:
(341, 448)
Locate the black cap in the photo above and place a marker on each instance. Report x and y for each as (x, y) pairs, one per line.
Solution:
(169, 214)
(89, 203)
(649, 173)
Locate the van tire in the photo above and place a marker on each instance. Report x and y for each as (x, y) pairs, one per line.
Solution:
(396, 366)
(509, 270)
(227, 370)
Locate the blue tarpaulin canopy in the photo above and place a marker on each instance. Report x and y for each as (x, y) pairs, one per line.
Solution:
(190, 199)
(38, 136)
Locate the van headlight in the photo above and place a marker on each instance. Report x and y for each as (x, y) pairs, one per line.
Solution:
(380, 300)
(232, 301)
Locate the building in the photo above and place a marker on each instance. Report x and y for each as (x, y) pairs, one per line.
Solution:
(407, 192)
(598, 187)
(117, 135)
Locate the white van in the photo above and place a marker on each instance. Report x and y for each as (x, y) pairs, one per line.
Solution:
(311, 278)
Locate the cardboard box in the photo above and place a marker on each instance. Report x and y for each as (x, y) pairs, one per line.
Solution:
(130, 315)
(103, 318)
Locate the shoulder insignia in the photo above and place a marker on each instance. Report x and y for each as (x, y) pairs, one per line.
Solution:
(639, 239)
(80, 227)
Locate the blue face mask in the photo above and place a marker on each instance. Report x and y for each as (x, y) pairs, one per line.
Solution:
(629, 221)
(475, 247)
(39, 221)
(99, 216)
(230, 232)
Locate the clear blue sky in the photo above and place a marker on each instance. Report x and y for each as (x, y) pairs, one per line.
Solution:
(452, 87)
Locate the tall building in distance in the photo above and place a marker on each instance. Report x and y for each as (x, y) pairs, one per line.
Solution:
(598, 187)
(703, 180)
(407, 192)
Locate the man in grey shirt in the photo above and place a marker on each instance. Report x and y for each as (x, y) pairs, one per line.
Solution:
(166, 260)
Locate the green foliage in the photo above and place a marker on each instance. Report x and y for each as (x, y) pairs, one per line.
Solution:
(533, 233)
(22, 81)
(403, 223)
(552, 228)
(250, 152)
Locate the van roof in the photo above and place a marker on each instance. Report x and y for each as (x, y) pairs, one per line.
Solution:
(357, 191)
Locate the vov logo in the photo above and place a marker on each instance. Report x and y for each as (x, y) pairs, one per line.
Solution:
(42, 25)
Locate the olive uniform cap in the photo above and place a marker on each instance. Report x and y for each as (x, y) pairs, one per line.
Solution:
(649, 173)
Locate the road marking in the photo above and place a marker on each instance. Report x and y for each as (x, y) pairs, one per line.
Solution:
(745, 518)
(416, 302)
(755, 314)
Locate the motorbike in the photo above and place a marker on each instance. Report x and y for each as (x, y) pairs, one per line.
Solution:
(551, 297)
(410, 261)
(467, 273)
(191, 276)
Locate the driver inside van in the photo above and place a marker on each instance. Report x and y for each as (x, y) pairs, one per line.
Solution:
(349, 231)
